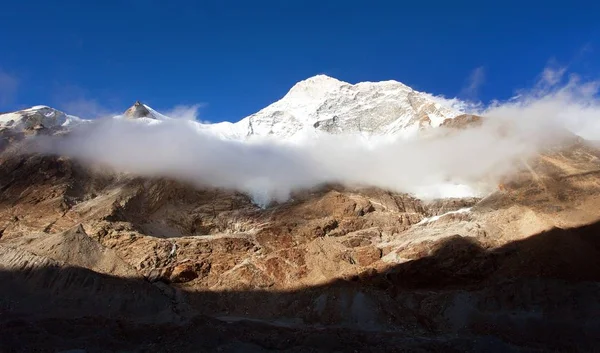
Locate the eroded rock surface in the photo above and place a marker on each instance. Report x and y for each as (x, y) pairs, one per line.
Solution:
(134, 262)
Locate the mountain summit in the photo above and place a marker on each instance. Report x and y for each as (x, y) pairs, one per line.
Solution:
(138, 110)
(325, 104)
(315, 87)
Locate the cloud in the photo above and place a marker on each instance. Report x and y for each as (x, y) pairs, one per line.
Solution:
(569, 103)
(442, 163)
(585, 49)
(86, 108)
(270, 170)
(75, 100)
(551, 76)
(185, 112)
(474, 83)
(460, 164)
(9, 85)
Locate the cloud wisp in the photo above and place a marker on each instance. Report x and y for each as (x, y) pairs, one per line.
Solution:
(86, 108)
(474, 83)
(186, 112)
(9, 85)
(556, 100)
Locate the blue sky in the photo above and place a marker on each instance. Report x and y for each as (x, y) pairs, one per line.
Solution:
(235, 57)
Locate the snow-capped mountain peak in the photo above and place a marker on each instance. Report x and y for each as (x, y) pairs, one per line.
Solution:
(318, 105)
(322, 104)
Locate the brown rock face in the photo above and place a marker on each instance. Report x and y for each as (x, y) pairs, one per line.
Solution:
(463, 121)
(183, 273)
(130, 262)
(365, 256)
(179, 273)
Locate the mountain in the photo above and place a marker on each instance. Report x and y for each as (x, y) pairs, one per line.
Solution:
(325, 105)
(38, 116)
(322, 104)
(317, 105)
(101, 260)
(138, 110)
(126, 261)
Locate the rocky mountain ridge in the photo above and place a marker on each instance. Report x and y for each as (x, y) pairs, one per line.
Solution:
(317, 105)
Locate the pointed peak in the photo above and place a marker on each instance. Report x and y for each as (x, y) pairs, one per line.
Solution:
(138, 110)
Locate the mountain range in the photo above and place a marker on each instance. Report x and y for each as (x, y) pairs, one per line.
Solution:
(98, 259)
(320, 104)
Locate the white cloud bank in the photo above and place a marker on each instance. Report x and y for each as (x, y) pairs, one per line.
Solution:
(442, 164)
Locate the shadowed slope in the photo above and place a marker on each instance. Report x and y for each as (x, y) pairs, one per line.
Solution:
(537, 293)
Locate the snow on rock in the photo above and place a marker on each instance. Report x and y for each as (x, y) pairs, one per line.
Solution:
(435, 218)
(36, 116)
(325, 104)
(319, 105)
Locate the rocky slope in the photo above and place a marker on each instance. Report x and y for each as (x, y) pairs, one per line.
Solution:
(155, 264)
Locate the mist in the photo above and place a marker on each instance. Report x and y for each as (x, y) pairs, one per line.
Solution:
(437, 163)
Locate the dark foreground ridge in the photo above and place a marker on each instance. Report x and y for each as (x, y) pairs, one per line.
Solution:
(536, 294)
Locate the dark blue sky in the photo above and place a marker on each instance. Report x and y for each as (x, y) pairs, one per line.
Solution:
(239, 56)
